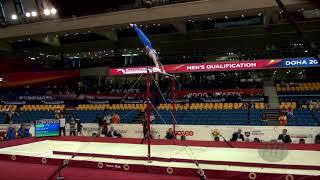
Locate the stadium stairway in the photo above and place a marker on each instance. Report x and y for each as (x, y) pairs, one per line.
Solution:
(271, 92)
(139, 118)
(272, 117)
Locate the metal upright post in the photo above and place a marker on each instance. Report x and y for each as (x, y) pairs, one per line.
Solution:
(173, 89)
(148, 113)
(2, 15)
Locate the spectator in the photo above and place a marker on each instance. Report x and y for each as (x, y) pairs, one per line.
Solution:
(113, 133)
(170, 134)
(79, 127)
(302, 141)
(317, 106)
(317, 139)
(62, 125)
(116, 134)
(57, 112)
(11, 132)
(26, 131)
(152, 117)
(290, 112)
(256, 140)
(237, 135)
(115, 118)
(9, 113)
(100, 122)
(283, 120)
(104, 128)
(107, 119)
(2, 135)
(284, 136)
(73, 129)
(283, 111)
(183, 137)
(23, 131)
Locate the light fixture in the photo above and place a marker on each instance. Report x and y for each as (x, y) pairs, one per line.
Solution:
(34, 13)
(28, 14)
(46, 12)
(242, 15)
(14, 17)
(53, 11)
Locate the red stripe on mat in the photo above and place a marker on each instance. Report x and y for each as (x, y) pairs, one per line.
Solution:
(145, 168)
(230, 163)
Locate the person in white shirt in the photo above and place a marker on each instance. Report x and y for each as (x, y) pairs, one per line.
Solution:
(62, 125)
(152, 117)
(104, 125)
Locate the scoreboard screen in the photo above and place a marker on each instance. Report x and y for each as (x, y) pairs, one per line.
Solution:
(47, 127)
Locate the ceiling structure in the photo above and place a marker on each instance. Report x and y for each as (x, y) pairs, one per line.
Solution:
(174, 29)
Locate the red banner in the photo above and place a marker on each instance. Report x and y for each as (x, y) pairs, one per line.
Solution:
(199, 67)
(223, 66)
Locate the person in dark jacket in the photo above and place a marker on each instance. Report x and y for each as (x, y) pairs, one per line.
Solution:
(237, 135)
(170, 134)
(317, 140)
(11, 132)
(284, 136)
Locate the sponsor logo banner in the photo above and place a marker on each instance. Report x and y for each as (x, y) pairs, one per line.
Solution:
(201, 132)
(98, 101)
(223, 66)
(52, 102)
(13, 102)
(36, 98)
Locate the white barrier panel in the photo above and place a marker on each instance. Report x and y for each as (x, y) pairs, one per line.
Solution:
(203, 132)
